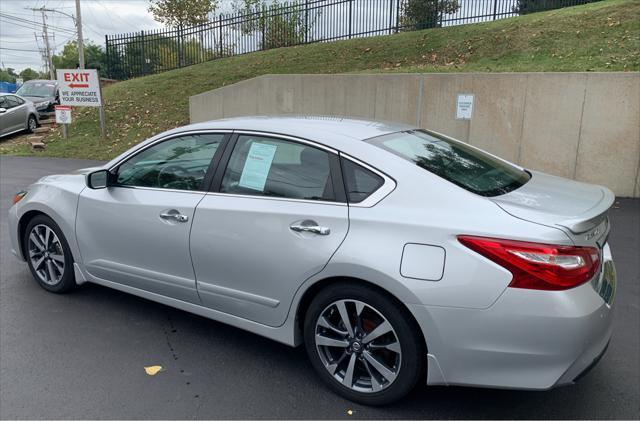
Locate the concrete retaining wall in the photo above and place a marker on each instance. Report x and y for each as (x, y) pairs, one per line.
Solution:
(584, 126)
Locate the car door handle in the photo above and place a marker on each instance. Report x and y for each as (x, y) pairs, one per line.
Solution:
(310, 227)
(173, 214)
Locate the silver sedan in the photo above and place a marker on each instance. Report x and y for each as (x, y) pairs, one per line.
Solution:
(395, 255)
(16, 114)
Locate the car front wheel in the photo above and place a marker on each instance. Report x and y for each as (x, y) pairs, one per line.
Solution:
(363, 345)
(32, 124)
(48, 255)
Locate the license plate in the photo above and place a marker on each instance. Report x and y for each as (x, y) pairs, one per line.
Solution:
(607, 284)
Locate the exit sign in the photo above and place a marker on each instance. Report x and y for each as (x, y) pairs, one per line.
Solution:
(79, 87)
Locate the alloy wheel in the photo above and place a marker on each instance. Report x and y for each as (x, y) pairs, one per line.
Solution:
(46, 254)
(32, 124)
(358, 346)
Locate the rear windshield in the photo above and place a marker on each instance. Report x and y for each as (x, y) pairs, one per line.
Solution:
(456, 162)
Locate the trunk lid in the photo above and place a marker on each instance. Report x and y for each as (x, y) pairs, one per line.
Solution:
(577, 208)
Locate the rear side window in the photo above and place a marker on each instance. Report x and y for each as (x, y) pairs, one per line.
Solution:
(469, 168)
(263, 166)
(359, 181)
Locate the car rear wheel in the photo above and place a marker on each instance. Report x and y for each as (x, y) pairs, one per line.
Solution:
(48, 255)
(363, 345)
(32, 124)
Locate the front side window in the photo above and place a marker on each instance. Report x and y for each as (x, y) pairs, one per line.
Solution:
(9, 101)
(263, 166)
(179, 163)
(14, 101)
(467, 167)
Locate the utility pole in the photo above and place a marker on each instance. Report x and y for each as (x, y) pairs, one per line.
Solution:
(77, 22)
(80, 40)
(46, 43)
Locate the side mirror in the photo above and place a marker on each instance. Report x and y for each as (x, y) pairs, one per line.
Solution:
(98, 179)
(3, 110)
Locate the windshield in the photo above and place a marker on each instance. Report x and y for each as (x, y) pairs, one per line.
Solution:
(467, 167)
(38, 89)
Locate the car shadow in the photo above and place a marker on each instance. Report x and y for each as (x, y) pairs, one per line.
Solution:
(423, 402)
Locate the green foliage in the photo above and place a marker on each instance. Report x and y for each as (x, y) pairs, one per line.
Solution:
(8, 75)
(30, 74)
(423, 14)
(531, 6)
(281, 24)
(94, 57)
(182, 13)
(153, 53)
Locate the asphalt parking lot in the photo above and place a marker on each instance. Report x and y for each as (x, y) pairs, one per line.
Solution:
(81, 355)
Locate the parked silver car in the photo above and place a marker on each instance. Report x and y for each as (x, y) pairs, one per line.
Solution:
(395, 254)
(16, 114)
(44, 94)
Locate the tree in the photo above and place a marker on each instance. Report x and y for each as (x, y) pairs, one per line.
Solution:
(94, 56)
(30, 74)
(182, 13)
(524, 7)
(281, 25)
(423, 14)
(8, 75)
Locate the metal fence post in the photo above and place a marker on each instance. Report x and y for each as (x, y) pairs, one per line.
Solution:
(306, 21)
(107, 52)
(220, 29)
(144, 56)
(350, 15)
(390, 17)
(397, 16)
(495, 9)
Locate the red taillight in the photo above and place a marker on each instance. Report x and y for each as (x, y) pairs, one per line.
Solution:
(538, 266)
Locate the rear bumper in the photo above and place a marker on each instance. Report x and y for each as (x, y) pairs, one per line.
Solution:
(526, 340)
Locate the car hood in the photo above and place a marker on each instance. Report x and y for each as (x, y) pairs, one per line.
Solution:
(557, 201)
(36, 99)
(74, 177)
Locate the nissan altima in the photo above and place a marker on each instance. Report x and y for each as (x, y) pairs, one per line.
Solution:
(395, 255)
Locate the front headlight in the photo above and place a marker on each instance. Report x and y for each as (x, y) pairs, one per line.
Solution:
(19, 196)
(43, 104)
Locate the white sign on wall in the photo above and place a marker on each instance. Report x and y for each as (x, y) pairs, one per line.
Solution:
(464, 106)
(63, 114)
(79, 87)
(19, 81)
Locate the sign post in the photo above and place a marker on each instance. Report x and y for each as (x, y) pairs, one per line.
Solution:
(81, 88)
(63, 116)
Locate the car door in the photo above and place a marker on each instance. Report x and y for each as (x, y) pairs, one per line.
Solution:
(14, 117)
(276, 215)
(136, 231)
(4, 117)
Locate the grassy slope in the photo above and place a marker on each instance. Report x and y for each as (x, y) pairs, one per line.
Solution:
(602, 36)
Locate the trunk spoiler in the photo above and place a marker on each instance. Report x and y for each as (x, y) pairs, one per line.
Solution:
(592, 218)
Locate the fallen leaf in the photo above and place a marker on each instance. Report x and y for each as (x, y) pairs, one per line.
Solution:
(153, 370)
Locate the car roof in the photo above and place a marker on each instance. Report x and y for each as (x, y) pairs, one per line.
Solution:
(51, 82)
(323, 129)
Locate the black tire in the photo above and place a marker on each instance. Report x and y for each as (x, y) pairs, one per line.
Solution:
(413, 365)
(32, 123)
(67, 281)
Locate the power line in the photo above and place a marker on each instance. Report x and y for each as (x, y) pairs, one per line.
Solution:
(18, 49)
(33, 23)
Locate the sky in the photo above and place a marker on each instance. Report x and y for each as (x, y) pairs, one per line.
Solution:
(18, 45)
